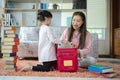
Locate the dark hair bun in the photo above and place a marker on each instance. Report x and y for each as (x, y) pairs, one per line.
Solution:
(42, 14)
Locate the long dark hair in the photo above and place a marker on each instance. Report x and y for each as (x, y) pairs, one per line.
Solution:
(42, 14)
(82, 30)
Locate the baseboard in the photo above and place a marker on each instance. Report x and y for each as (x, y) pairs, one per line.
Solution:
(113, 60)
(109, 56)
(105, 56)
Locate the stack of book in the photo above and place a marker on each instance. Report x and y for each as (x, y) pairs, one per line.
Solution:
(10, 48)
(6, 21)
(103, 70)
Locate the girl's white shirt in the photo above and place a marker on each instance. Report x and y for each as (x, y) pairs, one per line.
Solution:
(46, 46)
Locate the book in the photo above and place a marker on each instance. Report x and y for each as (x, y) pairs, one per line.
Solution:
(9, 67)
(11, 61)
(5, 21)
(11, 35)
(9, 51)
(10, 28)
(65, 45)
(8, 19)
(9, 70)
(9, 54)
(106, 75)
(11, 39)
(9, 32)
(11, 43)
(10, 58)
(100, 68)
(9, 47)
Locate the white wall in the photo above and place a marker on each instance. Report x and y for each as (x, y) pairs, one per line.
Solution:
(64, 17)
(56, 20)
(2, 2)
(98, 17)
(29, 18)
(96, 13)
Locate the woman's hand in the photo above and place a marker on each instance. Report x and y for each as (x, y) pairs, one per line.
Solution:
(80, 55)
(78, 52)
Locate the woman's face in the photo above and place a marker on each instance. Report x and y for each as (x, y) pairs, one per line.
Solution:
(77, 22)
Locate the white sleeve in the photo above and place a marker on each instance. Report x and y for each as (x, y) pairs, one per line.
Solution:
(51, 35)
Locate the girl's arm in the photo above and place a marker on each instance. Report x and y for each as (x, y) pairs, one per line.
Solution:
(51, 36)
(86, 50)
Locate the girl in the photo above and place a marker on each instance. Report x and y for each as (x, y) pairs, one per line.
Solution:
(80, 37)
(46, 46)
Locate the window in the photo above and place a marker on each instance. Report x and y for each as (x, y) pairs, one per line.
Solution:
(99, 31)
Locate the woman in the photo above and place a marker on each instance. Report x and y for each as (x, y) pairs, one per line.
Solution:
(80, 37)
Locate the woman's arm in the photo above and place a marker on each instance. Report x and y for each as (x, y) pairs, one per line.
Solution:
(86, 50)
(64, 36)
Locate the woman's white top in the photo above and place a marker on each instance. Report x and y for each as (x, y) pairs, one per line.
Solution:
(46, 46)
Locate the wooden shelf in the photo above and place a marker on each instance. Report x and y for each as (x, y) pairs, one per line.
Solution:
(70, 10)
(22, 1)
(27, 26)
(53, 10)
(13, 25)
(64, 10)
(45, 1)
(17, 26)
(19, 9)
(56, 1)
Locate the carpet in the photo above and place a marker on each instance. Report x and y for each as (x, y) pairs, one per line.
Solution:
(82, 73)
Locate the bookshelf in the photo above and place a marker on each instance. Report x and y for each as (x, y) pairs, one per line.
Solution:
(17, 9)
(24, 8)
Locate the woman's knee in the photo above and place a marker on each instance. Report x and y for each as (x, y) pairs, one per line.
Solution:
(85, 62)
(92, 60)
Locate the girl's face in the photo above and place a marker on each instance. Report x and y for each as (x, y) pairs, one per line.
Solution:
(77, 22)
(48, 21)
(39, 23)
